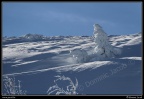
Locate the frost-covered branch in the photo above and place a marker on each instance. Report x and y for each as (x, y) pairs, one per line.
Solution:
(67, 89)
(11, 88)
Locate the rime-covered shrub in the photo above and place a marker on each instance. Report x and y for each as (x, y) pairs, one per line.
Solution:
(11, 87)
(79, 55)
(63, 85)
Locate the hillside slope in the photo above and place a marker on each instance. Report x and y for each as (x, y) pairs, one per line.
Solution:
(36, 60)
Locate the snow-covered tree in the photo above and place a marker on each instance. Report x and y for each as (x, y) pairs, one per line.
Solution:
(103, 48)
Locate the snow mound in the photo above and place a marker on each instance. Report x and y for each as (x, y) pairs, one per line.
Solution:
(79, 55)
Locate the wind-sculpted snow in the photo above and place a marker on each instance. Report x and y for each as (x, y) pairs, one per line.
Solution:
(36, 59)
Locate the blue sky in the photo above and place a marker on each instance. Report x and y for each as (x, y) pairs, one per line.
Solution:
(70, 18)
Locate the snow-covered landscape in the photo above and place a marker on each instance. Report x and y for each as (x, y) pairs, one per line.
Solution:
(78, 65)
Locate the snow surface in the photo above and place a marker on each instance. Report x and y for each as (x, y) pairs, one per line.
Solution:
(35, 60)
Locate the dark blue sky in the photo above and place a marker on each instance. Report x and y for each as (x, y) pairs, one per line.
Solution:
(70, 18)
